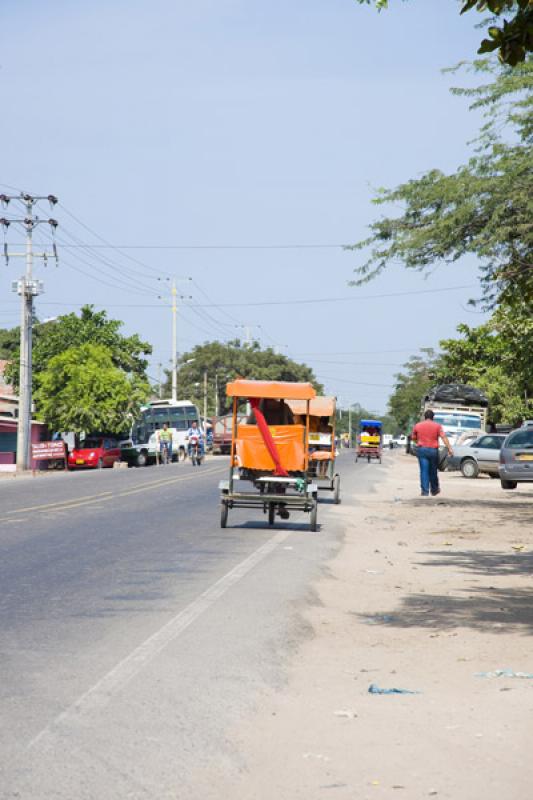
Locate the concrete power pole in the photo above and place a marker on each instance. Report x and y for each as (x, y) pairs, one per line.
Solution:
(248, 332)
(159, 384)
(174, 307)
(27, 288)
(174, 297)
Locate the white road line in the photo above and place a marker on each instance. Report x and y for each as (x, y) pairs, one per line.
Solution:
(114, 681)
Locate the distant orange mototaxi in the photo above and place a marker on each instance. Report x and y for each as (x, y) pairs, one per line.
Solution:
(322, 443)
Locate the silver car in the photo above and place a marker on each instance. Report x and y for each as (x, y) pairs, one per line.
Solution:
(480, 456)
(516, 458)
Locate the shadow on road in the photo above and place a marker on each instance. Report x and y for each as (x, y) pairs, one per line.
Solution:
(259, 525)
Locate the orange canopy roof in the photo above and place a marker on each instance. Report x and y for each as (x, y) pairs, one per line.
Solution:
(318, 407)
(273, 390)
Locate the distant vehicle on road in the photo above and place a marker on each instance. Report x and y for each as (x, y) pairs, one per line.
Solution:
(480, 456)
(222, 432)
(516, 458)
(141, 448)
(96, 452)
(458, 408)
(369, 440)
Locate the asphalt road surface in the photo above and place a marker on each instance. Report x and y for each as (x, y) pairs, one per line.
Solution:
(134, 631)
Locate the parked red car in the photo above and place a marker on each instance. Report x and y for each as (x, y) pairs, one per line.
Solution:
(96, 452)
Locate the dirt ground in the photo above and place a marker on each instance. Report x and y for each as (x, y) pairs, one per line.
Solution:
(424, 594)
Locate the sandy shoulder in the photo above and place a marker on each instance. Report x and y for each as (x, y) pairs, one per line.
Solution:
(424, 594)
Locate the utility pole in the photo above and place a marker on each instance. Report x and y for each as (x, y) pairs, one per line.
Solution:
(216, 394)
(205, 397)
(174, 307)
(27, 288)
(247, 328)
(350, 426)
(174, 297)
(159, 384)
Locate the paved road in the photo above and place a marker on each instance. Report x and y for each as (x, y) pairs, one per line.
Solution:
(134, 631)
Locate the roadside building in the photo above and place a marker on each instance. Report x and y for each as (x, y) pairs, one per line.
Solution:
(9, 404)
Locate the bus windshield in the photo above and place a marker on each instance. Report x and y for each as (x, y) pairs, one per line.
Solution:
(462, 421)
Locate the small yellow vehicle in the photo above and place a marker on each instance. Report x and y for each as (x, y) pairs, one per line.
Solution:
(269, 459)
(369, 440)
(322, 445)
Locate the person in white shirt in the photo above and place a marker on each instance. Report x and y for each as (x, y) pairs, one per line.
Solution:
(195, 434)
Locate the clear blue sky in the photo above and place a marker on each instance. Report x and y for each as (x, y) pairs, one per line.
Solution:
(237, 122)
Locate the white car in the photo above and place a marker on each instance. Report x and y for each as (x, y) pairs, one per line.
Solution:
(480, 456)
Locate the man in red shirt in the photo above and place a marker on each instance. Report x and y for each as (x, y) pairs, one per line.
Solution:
(427, 434)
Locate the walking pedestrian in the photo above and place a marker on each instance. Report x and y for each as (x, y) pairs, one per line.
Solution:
(426, 434)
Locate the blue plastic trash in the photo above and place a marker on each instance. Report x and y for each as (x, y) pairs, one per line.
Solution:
(373, 689)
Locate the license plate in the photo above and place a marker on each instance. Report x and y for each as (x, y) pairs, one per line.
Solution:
(525, 457)
(80, 461)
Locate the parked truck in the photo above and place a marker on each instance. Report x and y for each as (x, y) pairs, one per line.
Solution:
(458, 408)
(222, 432)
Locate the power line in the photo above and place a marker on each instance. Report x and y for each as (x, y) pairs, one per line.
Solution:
(105, 244)
(122, 276)
(355, 383)
(356, 363)
(308, 301)
(297, 246)
(360, 352)
(314, 300)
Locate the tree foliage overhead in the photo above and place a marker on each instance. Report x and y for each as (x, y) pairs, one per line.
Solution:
(510, 26)
(485, 208)
(82, 389)
(496, 357)
(223, 362)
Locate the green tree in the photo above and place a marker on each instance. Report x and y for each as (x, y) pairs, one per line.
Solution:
(497, 358)
(411, 385)
(9, 342)
(223, 362)
(485, 208)
(90, 327)
(82, 389)
(510, 26)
